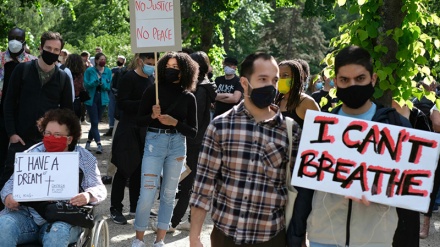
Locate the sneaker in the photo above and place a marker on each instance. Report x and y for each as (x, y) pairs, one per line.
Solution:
(99, 149)
(184, 226)
(118, 217)
(435, 208)
(159, 244)
(85, 122)
(137, 243)
(152, 214)
(87, 146)
(109, 132)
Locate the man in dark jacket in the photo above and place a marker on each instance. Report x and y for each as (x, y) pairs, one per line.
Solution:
(35, 87)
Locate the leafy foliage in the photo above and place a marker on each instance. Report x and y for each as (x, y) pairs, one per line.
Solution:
(397, 69)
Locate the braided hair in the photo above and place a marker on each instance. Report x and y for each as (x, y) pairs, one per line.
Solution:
(296, 85)
(189, 69)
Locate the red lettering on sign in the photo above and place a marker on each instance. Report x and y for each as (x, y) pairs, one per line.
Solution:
(142, 34)
(162, 35)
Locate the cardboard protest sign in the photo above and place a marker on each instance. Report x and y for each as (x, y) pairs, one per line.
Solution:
(388, 164)
(46, 176)
(155, 25)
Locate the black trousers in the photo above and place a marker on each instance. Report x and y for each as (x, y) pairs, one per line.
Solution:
(192, 155)
(408, 228)
(118, 188)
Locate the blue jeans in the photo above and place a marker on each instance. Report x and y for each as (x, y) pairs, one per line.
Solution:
(95, 113)
(162, 152)
(18, 227)
(111, 109)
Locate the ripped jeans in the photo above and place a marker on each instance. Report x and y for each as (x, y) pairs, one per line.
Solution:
(162, 152)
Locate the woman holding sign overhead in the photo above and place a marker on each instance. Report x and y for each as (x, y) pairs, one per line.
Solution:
(294, 104)
(22, 224)
(169, 121)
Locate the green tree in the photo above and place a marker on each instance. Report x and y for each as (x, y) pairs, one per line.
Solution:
(391, 31)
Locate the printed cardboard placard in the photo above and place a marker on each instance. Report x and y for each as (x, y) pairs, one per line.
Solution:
(388, 164)
(46, 176)
(155, 25)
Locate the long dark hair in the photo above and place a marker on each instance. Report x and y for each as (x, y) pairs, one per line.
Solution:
(202, 59)
(296, 86)
(189, 69)
(75, 64)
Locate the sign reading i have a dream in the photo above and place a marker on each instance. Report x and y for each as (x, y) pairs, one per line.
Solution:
(46, 176)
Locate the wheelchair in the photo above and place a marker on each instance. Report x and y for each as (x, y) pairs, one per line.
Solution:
(98, 236)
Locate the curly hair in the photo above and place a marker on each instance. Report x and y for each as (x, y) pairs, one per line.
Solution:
(75, 64)
(189, 69)
(62, 117)
(296, 86)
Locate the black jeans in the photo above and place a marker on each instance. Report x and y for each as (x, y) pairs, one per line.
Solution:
(296, 229)
(192, 155)
(118, 188)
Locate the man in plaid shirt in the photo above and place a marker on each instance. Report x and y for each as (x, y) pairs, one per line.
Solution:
(242, 165)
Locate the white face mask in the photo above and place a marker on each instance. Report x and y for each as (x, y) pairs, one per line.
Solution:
(229, 71)
(15, 46)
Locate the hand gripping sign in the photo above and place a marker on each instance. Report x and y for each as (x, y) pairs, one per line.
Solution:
(388, 164)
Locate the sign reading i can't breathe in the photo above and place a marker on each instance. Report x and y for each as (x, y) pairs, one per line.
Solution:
(155, 25)
(45, 176)
(388, 164)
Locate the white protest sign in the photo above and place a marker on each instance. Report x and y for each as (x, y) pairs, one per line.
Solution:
(46, 176)
(388, 164)
(155, 25)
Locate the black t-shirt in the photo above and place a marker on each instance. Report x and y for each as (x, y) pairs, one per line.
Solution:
(226, 86)
(321, 94)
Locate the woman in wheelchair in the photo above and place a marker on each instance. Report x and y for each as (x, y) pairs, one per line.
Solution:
(21, 224)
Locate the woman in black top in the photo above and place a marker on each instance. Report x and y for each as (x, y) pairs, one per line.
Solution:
(128, 142)
(169, 122)
(205, 96)
(294, 103)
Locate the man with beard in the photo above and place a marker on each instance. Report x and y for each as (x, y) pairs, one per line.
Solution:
(35, 87)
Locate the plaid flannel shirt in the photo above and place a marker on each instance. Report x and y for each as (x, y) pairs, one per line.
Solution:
(242, 171)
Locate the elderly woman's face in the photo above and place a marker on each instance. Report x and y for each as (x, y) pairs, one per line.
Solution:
(56, 137)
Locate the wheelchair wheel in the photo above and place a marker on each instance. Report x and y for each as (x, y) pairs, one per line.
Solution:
(100, 234)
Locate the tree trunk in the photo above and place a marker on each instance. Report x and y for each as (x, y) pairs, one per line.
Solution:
(226, 37)
(207, 32)
(392, 17)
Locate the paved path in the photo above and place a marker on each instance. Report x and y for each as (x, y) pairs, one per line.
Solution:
(122, 235)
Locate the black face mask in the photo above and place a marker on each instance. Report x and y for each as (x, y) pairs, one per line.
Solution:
(171, 75)
(119, 63)
(49, 58)
(355, 96)
(263, 97)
